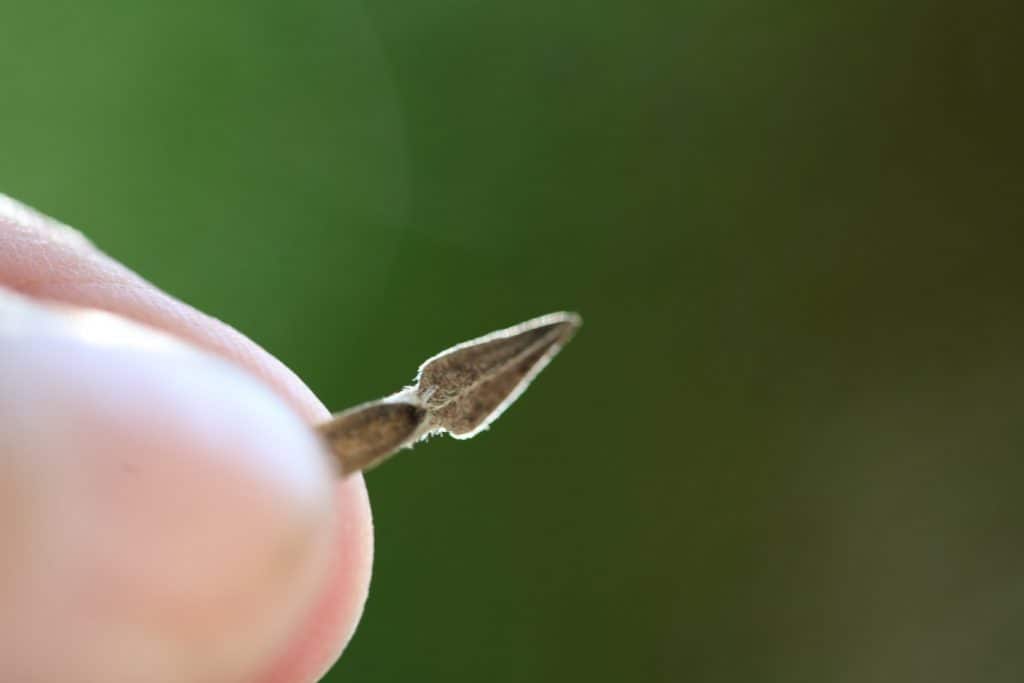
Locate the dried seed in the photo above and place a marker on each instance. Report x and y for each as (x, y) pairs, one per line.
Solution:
(459, 391)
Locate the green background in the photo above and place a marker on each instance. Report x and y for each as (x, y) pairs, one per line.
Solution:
(787, 444)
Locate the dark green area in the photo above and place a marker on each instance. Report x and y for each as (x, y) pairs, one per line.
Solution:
(787, 444)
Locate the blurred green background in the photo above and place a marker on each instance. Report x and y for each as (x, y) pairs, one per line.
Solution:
(786, 446)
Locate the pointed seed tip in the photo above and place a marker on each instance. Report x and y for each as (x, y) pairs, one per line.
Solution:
(570, 317)
(570, 324)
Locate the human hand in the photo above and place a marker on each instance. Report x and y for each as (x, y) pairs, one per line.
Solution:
(166, 513)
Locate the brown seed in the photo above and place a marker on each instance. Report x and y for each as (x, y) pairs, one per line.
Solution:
(468, 386)
(460, 391)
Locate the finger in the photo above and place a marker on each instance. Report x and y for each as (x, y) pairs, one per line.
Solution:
(166, 517)
(45, 259)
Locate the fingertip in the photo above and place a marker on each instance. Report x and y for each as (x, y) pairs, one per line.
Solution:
(177, 520)
(45, 259)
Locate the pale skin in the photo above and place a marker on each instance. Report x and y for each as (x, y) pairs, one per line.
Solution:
(166, 511)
